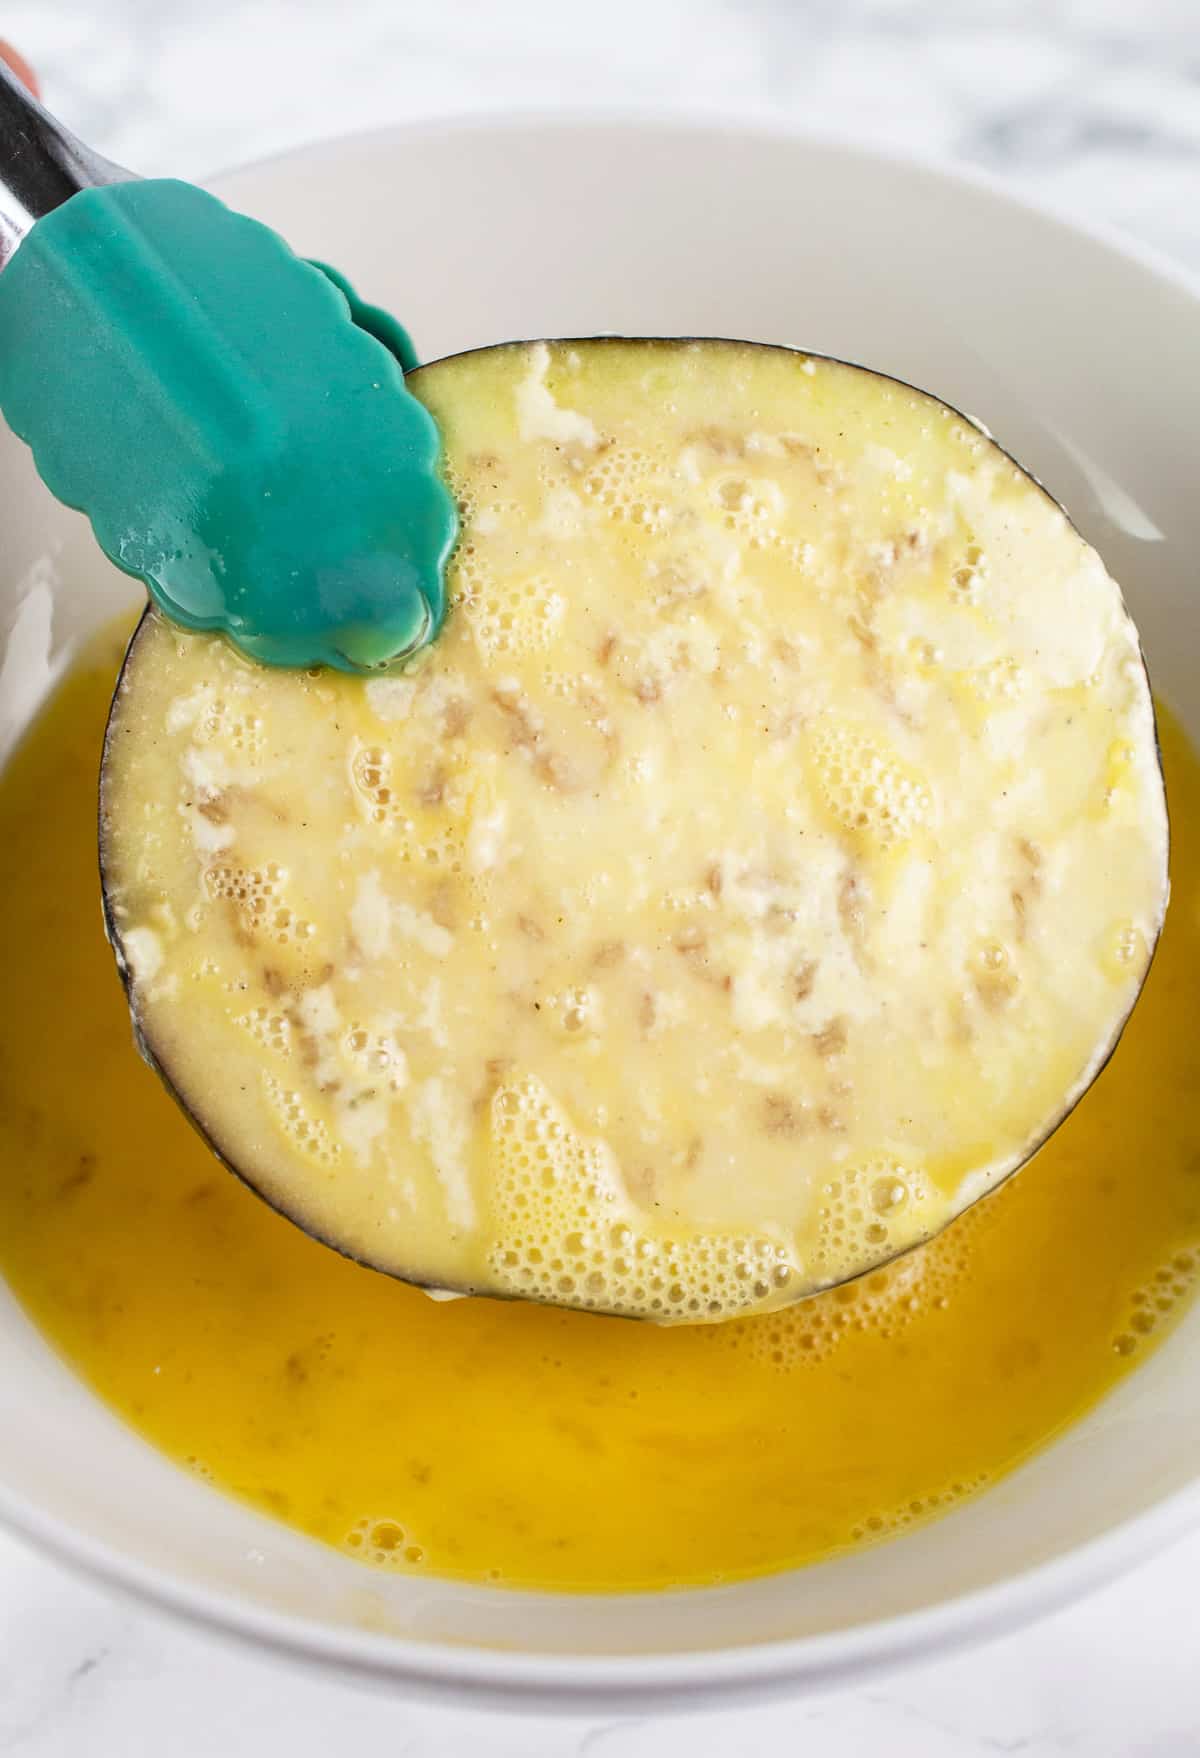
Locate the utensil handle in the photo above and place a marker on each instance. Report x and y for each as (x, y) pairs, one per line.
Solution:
(42, 164)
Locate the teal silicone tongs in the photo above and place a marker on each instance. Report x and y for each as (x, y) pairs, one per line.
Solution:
(232, 420)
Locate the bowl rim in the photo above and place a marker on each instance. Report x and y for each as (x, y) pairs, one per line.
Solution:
(685, 1678)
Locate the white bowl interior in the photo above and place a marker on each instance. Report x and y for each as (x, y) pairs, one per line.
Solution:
(1082, 360)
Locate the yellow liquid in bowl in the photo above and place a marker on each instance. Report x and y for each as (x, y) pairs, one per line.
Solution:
(543, 1448)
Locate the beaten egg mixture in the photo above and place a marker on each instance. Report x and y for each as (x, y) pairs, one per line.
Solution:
(506, 1442)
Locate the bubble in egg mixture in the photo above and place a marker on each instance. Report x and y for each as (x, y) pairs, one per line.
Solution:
(386, 1543)
(566, 1232)
(422, 806)
(882, 1303)
(866, 1210)
(518, 615)
(628, 486)
(257, 893)
(268, 1027)
(309, 1134)
(1155, 1302)
(866, 788)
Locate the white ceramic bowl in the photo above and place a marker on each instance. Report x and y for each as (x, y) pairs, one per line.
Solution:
(1083, 356)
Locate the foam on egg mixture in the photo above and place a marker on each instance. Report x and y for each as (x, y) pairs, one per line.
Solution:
(759, 865)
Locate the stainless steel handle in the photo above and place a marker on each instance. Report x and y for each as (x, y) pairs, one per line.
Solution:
(41, 163)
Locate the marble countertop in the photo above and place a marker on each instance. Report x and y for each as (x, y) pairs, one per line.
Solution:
(1093, 103)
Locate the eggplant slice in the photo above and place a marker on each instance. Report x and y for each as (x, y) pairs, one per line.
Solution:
(757, 869)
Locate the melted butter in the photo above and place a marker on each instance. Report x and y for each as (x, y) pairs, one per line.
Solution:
(500, 1441)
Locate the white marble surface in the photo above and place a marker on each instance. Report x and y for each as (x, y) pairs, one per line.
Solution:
(1095, 103)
